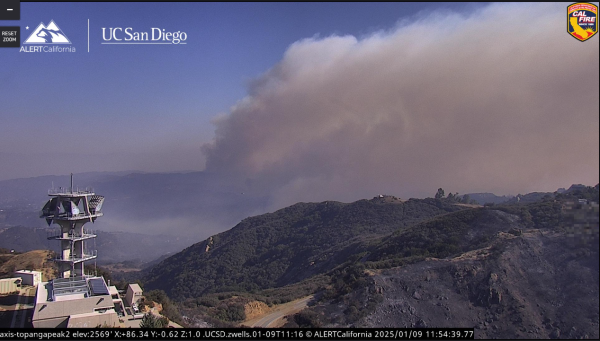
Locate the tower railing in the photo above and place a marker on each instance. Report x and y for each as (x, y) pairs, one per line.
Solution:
(69, 190)
(71, 216)
(72, 236)
(87, 255)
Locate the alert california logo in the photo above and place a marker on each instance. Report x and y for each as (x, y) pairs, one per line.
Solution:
(47, 38)
(582, 20)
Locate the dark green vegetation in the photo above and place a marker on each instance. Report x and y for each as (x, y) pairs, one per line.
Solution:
(225, 309)
(287, 246)
(153, 321)
(328, 247)
(439, 237)
(350, 288)
(305, 319)
(169, 310)
(455, 197)
(467, 230)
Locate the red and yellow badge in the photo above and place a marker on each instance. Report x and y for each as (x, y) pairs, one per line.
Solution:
(582, 20)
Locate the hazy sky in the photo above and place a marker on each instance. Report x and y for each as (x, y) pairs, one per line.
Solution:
(311, 101)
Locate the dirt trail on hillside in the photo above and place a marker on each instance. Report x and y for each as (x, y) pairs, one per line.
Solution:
(274, 318)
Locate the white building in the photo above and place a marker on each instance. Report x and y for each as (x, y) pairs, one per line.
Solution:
(9, 285)
(29, 277)
(74, 302)
(133, 295)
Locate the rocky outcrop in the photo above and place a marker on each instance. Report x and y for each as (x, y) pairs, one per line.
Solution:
(209, 244)
(528, 286)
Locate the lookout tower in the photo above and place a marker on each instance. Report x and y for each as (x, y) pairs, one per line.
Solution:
(71, 208)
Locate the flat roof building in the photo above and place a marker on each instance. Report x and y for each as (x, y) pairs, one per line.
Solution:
(29, 277)
(10, 285)
(74, 302)
(133, 295)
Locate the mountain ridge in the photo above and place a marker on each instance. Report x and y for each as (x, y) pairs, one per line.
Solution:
(311, 237)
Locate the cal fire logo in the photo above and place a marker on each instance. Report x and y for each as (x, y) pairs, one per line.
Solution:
(582, 21)
(50, 34)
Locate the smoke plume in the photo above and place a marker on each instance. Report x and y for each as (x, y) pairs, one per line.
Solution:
(501, 100)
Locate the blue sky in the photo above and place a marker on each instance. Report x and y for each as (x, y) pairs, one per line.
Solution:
(150, 107)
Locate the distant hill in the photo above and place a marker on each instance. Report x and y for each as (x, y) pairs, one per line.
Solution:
(112, 246)
(388, 263)
(192, 205)
(276, 249)
(284, 247)
(195, 204)
(33, 191)
(510, 271)
(530, 197)
(576, 190)
(39, 260)
(484, 198)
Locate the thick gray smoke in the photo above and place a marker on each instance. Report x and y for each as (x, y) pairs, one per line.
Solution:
(503, 100)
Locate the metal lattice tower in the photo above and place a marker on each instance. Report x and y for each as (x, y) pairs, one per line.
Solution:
(71, 208)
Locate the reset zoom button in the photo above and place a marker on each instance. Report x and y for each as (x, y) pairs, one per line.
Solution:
(10, 36)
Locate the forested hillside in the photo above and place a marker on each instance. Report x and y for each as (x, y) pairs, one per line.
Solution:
(287, 246)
